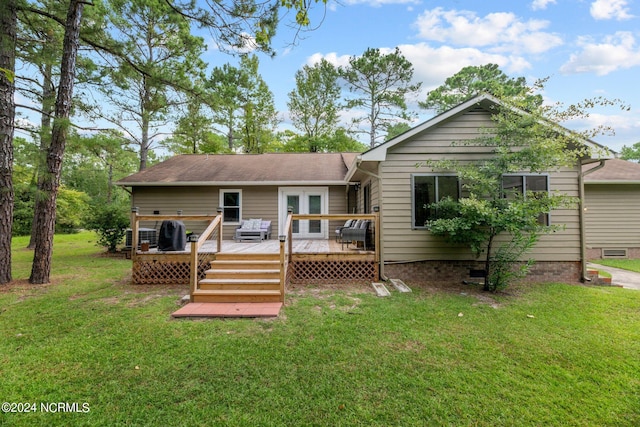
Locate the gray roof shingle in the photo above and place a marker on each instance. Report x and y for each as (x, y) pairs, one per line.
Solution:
(256, 169)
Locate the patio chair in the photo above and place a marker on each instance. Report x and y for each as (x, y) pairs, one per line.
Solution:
(347, 224)
(357, 233)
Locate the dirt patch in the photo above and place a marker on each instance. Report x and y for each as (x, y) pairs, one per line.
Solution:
(24, 289)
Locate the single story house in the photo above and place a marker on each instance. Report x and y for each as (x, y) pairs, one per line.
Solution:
(612, 209)
(384, 179)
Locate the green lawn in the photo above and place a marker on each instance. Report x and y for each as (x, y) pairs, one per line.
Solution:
(548, 354)
(626, 264)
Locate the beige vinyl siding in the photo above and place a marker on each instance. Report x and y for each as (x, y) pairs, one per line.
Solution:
(169, 200)
(257, 202)
(612, 216)
(402, 243)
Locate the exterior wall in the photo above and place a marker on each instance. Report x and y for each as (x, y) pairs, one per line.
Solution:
(612, 218)
(402, 243)
(257, 202)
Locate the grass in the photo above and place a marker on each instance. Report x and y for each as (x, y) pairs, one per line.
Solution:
(626, 264)
(549, 354)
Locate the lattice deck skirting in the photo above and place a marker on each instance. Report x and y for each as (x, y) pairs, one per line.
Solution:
(166, 272)
(332, 271)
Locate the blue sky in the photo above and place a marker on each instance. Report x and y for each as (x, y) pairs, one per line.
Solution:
(587, 48)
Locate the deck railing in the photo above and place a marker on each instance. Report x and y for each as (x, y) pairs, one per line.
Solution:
(196, 259)
(286, 238)
(196, 244)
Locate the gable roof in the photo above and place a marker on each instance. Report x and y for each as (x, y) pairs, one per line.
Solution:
(614, 171)
(245, 169)
(484, 101)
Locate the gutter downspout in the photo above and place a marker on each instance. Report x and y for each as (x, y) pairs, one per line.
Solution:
(583, 237)
(380, 231)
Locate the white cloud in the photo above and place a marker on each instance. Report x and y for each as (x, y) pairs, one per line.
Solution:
(433, 65)
(610, 9)
(541, 4)
(618, 51)
(332, 58)
(501, 31)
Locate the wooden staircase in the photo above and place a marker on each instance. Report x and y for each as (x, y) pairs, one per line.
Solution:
(237, 277)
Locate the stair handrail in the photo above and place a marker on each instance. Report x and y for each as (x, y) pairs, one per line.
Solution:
(285, 252)
(196, 243)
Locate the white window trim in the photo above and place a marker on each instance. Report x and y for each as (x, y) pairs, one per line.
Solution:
(221, 203)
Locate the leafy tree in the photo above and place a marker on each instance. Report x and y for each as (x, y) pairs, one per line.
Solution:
(380, 84)
(93, 163)
(8, 25)
(337, 142)
(243, 105)
(313, 104)
(157, 53)
(110, 222)
(193, 132)
(473, 80)
(396, 129)
(225, 84)
(503, 225)
(631, 153)
(259, 113)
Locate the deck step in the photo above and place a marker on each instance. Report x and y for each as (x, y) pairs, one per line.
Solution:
(241, 277)
(226, 256)
(245, 264)
(236, 295)
(242, 274)
(234, 284)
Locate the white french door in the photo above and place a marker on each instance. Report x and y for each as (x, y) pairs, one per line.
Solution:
(305, 200)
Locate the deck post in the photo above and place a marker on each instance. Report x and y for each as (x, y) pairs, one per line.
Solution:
(220, 236)
(193, 279)
(134, 233)
(283, 264)
(376, 237)
(289, 230)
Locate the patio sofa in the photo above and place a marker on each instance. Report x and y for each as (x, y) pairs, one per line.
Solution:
(253, 229)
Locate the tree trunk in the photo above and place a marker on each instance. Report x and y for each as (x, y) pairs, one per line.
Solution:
(48, 103)
(46, 214)
(8, 24)
(487, 263)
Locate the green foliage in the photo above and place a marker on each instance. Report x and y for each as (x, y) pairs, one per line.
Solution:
(474, 80)
(338, 142)
(631, 153)
(110, 222)
(71, 208)
(380, 84)
(314, 103)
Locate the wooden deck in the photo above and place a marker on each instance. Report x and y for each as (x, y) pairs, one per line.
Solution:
(305, 246)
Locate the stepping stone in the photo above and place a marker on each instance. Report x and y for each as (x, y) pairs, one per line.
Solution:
(400, 285)
(381, 289)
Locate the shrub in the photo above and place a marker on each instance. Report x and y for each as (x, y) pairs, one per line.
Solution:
(110, 222)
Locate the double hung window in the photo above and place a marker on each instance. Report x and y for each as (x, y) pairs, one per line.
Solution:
(429, 189)
(231, 203)
(526, 186)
